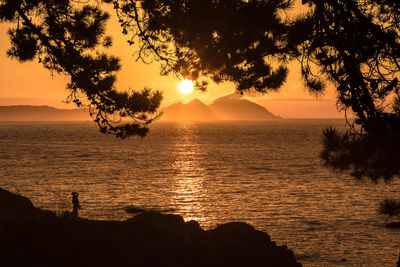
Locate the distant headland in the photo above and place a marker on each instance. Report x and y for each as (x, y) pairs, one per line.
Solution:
(41, 113)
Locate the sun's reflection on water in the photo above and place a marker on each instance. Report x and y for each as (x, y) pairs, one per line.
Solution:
(189, 194)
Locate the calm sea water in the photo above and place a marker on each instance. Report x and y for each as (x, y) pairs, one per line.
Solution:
(265, 173)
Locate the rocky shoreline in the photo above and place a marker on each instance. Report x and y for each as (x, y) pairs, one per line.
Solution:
(33, 237)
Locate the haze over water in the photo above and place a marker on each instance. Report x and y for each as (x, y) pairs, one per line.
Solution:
(265, 173)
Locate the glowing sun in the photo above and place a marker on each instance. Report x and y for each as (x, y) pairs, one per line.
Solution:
(185, 86)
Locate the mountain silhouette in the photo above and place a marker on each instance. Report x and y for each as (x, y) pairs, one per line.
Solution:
(41, 113)
(228, 107)
(231, 107)
(192, 111)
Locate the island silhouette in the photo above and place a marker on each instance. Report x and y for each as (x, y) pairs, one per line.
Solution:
(229, 107)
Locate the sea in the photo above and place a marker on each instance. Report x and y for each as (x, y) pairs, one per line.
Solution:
(267, 174)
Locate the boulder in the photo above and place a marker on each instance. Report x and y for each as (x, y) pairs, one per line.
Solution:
(239, 244)
(13, 205)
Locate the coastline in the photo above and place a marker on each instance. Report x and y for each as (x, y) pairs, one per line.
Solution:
(35, 237)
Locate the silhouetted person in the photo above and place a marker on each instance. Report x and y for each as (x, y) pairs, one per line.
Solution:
(75, 203)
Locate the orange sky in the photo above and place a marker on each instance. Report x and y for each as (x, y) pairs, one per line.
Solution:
(30, 83)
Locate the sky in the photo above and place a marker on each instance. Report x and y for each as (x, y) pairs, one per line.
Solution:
(30, 83)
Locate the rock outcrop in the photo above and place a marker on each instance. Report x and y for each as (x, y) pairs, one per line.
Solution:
(39, 238)
(12, 205)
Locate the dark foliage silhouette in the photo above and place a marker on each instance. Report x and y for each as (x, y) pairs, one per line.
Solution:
(68, 38)
(226, 40)
(356, 46)
(389, 207)
(365, 154)
(191, 39)
(351, 44)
